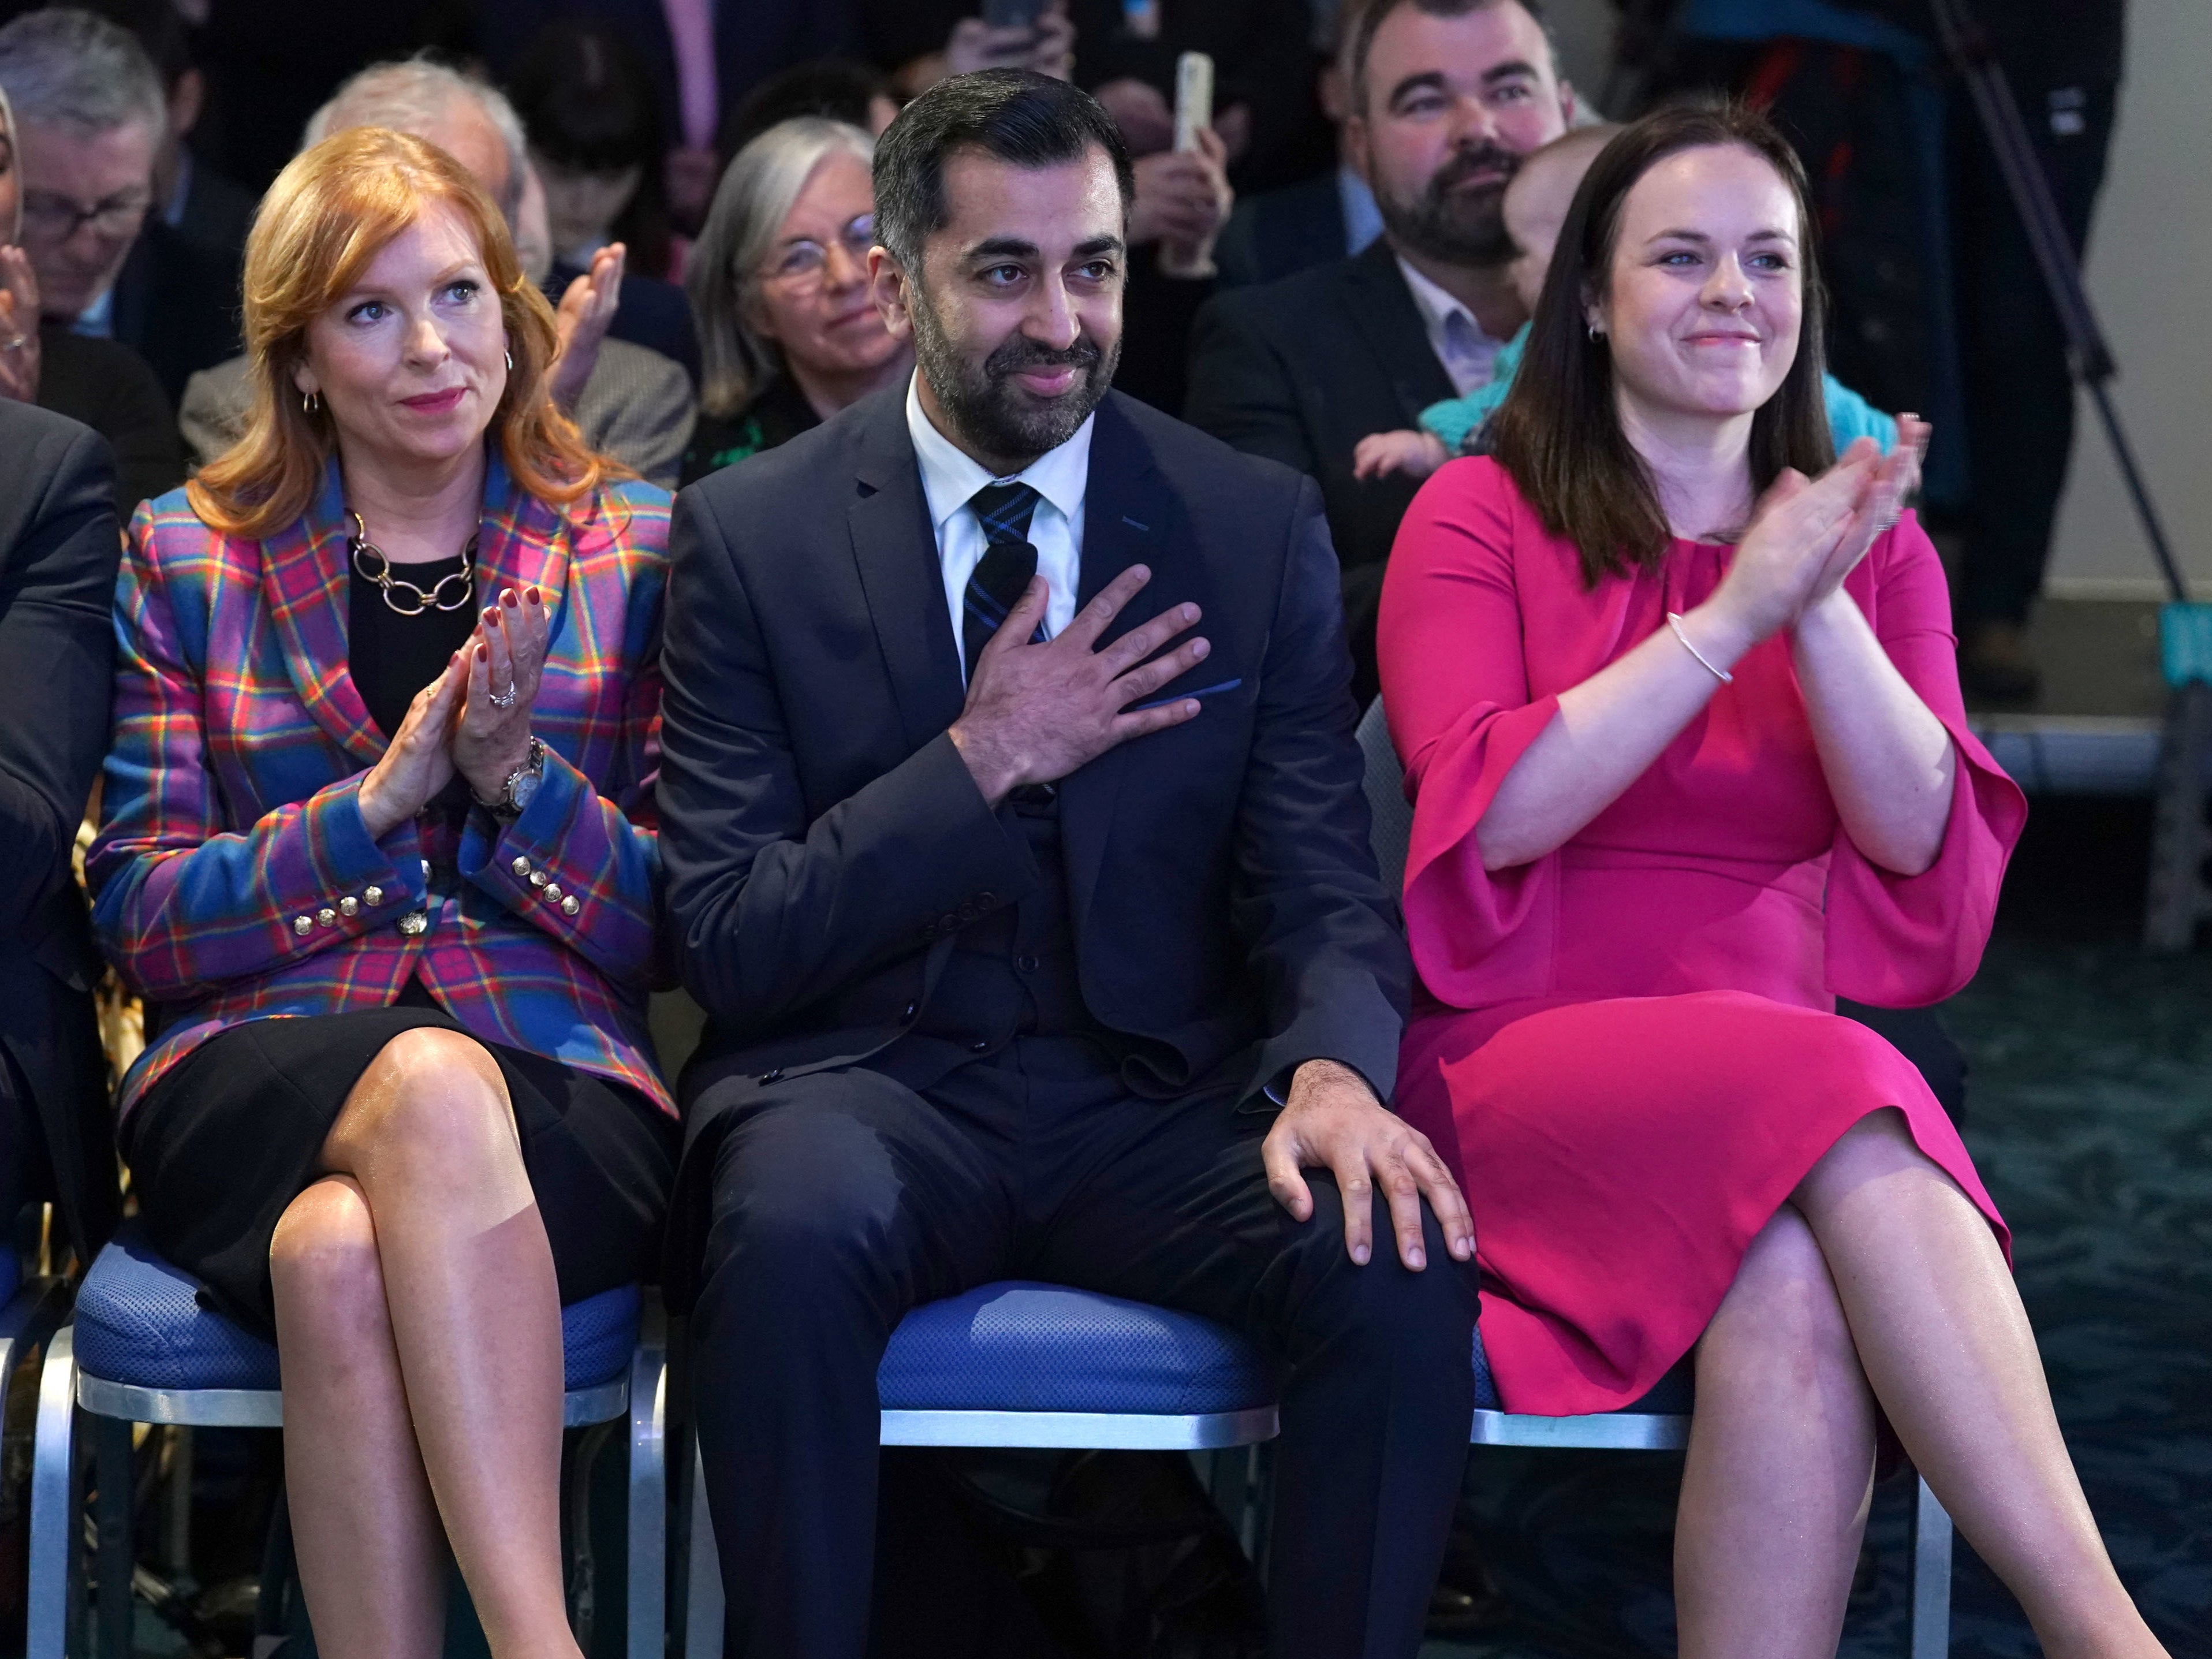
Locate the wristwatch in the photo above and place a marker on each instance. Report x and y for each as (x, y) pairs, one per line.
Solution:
(521, 786)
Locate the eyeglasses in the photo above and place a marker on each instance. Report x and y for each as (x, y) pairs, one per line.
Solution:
(57, 218)
(805, 262)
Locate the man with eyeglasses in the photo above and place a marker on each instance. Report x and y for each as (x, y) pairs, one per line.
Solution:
(90, 116)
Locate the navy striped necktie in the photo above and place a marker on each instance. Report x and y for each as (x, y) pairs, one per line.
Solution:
(1008, 562)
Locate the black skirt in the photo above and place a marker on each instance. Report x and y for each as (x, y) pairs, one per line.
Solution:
(220, 1147)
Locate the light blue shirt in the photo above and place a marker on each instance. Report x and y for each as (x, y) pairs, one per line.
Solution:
(97, 320)
(1362, 220)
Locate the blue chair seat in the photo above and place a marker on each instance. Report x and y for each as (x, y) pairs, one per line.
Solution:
(1017, 1346)
(1669, 1397)
(139, 1323)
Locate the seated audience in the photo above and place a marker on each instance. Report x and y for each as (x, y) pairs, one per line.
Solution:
(190, 197)
(1007, 982)
(834, 87)
(921, 42)
(632, 403)
(90, 120)
(97, 383)
(376, 837)
(702, 57)
(1125, 55)
(59, 547)
(1446, 97)
(1317, 221)
(637, 405)
(1683, 736)
(595, 140)
(785, 309)
(1536, 203)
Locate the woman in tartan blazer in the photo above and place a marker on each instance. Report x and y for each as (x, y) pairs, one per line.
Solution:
(378, 850)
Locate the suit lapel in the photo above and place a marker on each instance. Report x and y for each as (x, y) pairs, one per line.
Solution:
(896, 548)
(521, 543)
(1130, 516)
(1385, 309)
(303, 583)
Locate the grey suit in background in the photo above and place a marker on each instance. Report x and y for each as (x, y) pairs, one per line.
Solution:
(638, 407)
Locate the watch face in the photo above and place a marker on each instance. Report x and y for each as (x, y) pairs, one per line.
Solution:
(522, 790)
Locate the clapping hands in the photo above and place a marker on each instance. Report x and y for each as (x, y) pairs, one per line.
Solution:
(474, 719)
(1807, 535)
(19, 326)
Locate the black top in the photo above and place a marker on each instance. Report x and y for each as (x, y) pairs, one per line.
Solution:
(394, 656)
(777, 413)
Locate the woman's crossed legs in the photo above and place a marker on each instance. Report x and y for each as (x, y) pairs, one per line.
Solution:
(1879, 1281)
(420, 1322)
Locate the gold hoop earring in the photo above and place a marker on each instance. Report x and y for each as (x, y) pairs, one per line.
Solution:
(311, 403)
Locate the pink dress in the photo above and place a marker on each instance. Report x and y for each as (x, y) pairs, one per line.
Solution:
(1628, 1047)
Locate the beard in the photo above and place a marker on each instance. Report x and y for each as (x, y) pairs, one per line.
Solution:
(993, 414)
(1457, 227)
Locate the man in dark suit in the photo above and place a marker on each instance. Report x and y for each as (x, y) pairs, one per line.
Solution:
(1052, 948)
(1447, 95)
(59, 550)
(90, 119)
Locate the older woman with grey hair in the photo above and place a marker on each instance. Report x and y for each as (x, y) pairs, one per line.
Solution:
(788, 332)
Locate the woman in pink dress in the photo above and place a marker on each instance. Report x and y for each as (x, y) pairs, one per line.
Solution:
(1676, 694)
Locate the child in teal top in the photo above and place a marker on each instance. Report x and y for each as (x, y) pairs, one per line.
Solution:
(1536, 206)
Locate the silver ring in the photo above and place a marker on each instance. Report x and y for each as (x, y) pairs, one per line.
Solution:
(15, 344)
(499, 702)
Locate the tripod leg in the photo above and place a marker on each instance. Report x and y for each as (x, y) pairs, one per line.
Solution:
(2181, 839)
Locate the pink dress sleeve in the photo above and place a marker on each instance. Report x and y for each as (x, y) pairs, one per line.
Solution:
(1901, 941)
(1456, 691)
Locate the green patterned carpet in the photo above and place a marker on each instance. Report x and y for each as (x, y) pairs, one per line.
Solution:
(2090, 1117)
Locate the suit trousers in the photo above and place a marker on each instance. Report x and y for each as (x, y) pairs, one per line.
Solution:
(841, 1199)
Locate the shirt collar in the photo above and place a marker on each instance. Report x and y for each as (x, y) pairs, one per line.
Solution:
(949, 475)
(97, 320)
(1436, 303)
(172, 211)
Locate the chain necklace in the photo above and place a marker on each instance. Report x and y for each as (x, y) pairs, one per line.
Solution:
(401, 595)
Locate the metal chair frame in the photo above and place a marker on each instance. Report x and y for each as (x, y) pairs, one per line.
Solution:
(1928, 1572)
(1194, 1431)
(64, 1391)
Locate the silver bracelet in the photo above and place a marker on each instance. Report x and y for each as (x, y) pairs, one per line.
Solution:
(1674, 622)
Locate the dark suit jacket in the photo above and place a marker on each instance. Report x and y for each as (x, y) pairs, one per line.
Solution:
(58, 551)
(177, 305)
(824, 842)
(108, 387)
(1278, 233)
(1300, 371)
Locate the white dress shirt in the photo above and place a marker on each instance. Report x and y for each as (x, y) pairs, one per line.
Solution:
(1468, 353)
(950, 476)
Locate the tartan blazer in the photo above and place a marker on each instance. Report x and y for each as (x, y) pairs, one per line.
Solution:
(234, 877)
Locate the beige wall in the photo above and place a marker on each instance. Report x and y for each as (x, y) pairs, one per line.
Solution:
(2149, 266)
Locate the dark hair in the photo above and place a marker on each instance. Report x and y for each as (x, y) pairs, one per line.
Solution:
(1559, 431)
(159, 29)
(1019, 116)
(1370, 23)
(836, 88)
(587, 103)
